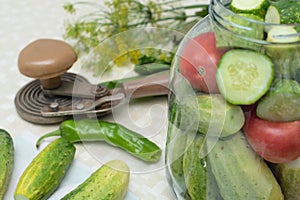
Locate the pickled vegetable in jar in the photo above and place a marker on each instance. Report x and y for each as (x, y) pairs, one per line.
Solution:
(234, 104)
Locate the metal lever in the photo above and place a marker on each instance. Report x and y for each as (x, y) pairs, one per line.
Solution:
(77, 89)
(153, 85)
(86, 106)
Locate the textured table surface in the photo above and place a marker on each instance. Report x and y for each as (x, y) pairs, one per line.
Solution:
(24, 21)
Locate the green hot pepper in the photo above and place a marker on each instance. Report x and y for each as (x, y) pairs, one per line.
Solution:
(86, 130)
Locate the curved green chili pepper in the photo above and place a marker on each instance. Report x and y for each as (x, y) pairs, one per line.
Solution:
(117, 135)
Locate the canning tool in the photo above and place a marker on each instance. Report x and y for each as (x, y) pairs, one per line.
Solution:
(56, 94)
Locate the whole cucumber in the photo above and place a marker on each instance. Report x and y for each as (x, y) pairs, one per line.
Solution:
(109, 182)
(288, 176)
(6, 160)
(240, 173)
(176, 143)
(177, 146)
(200, 182)
(46, 171)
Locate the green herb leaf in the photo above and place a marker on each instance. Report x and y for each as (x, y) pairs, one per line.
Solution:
(112, 17)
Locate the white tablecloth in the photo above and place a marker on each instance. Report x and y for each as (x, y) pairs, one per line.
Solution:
(24, 21)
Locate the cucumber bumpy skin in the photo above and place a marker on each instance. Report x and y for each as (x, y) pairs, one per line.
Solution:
(240, 173)
(288, 176)
(109, 182)
(177, 148)
(283, 12)
(195, 172)
(281, 103)
(6, 160)
(177, 139)
(200, 181)
(216, 117)
(46, 171)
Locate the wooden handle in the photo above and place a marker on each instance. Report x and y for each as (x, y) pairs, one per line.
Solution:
(154, 85)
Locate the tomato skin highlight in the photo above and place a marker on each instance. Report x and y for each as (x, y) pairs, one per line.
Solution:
(198, 62)
(276, 142)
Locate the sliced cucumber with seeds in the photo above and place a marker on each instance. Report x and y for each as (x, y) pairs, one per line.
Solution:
(257, 7)
(244, 76)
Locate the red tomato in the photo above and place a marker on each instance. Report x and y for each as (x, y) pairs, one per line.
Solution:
(198, 62)
(276, 142)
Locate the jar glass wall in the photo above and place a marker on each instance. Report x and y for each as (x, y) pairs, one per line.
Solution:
(234, 108)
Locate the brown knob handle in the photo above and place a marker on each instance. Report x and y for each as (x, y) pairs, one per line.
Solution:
(154, 85)
(46, 59)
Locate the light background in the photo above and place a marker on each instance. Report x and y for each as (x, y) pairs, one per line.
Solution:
(24, 21)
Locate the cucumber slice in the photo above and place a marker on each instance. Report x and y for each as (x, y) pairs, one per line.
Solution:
(282, 102)
(283, 34)
(249, 5)
(244, 76)
(257, 7)
(272, 15)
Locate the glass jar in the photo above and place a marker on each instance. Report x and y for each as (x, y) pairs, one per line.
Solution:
(234, 109)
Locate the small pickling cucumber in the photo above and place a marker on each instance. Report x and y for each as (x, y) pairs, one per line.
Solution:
(244, 76)
(177, 144)
(109, 182)
(240, 173)
(281, 103)
(215, 116)
(288, 176)
(257, 7)
(6, 160)
(200, 182)
(46, 171)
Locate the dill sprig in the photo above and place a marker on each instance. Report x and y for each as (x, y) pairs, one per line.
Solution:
(117, 33)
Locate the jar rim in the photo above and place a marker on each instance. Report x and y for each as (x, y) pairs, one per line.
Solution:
(218, 11)
(223, 6)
